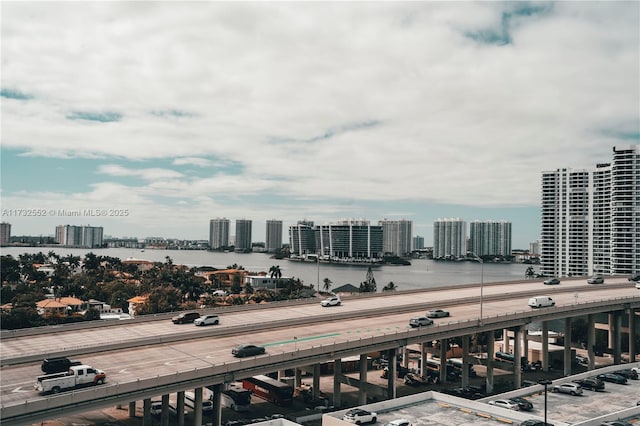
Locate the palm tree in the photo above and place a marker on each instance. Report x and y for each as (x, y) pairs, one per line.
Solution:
(327, 284)
(530, 272)
(274, 271)
(390, 287)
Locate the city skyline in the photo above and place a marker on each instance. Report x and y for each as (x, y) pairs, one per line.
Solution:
(165, 115)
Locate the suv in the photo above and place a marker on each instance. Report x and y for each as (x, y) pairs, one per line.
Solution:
(331, 301)
(359, 416)
(591, 383)
(207, 320)
(420, 321)
(570, 388)
(57, 365)
(185, 318)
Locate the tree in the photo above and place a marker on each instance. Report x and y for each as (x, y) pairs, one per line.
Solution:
(236, 286)
(390, 287)
(530, 273)
(327, 284)
(275, 271)
(369, 284)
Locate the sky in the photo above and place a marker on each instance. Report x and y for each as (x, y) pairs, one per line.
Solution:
(151, 118)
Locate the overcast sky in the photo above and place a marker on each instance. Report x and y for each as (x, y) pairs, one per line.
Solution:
(181, 112)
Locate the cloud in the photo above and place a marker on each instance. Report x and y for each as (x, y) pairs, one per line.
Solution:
(152, 174)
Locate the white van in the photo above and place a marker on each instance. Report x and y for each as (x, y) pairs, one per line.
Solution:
(541, 301)
(190, 401)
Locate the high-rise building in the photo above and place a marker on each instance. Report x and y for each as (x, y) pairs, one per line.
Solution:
(349, 239)
(302, 238)
(490, 238)
(274, 235)
(396, 236)
(5, 233)
(243, 235)
(449, 238)
(218, 233)
(418, 242)
(590, 222)
(79, 236)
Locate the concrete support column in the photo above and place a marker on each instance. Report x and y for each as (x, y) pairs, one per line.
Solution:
(393, 374)
(610, 322)
(180, 407)
(423, 360)
(444, 346)
(617, 338)
(525, 343)
(632, 335)
(146, 412)
(506, 347)
(216, 419)
(132, 409)
(315, 391)
(591, 341)
(298, 377)
(362, 391)
(197, 410)
(337, 373)
(545, 346)
(490, 351)
(405, 357)
(164, 418)
(465, 365)
(517, 357)
(567, 361)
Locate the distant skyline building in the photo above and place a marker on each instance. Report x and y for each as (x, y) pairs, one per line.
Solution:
(5, 233)
(79, 236)
(243, 240)
(273, 241)
(418, 243)
(349, 239)
(449, 238)
(490, 238)
(219, 233)
(396, 236)
(302, 239)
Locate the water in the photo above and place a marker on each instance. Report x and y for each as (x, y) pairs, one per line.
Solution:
(422, 273)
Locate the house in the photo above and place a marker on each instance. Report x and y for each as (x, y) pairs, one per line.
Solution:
(136, 301)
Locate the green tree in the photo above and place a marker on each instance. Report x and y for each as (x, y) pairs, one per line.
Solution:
(275, 271)
(327, 284)
(530, 273)
(390, 287)
(369, 284)
(236, 285)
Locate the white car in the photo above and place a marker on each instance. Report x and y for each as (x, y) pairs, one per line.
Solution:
(207, 320)
(399, 422)
(156, 409)
(638, 285)
(570, 388)
(331, 301)
(437, 313)
(420, 321)
(219, 293)
(505, 403)
(359, 416)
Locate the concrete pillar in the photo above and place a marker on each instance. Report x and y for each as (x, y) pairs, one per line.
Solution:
(315, 391)
(490, 352)
(337, 373)
(444, 346)
(298, 377)
(610, 323)
(216, 419)
(180, 407)
(617, 338)
(465, 365)
(525, 343)
(405, 357)
(567, 361)
(423, 360)
(517, 357)
(362, 391)
(632, 335)
(505, 341)
(393, 374)
(146, 412)
(197, 410)
(591, 341)
(132, 409)
(545, 346)
(164, 418)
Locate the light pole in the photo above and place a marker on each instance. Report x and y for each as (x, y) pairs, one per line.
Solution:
(545, 383)
(318, 260)
(481, 287)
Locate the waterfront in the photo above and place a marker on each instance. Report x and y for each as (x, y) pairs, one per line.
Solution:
(422, 273)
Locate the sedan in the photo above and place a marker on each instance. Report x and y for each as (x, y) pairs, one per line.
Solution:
(437, 313)
(505, 403)
(207, 320)
(616, 423)
(247, 350)
(534, 422)
(596, 279)
(420, 321)
(613, 378)
(399, 422)
(552, 281)
(524, 404)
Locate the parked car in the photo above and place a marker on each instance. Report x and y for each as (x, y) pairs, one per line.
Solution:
(359, 416)
(629, 373)
(437, 313)
(590, 383)
(420, 321)
(399, 422)
(505, 403)
(552, 281)
(207, 320)
(534, 422)
(616, 423)
(156, 409)
(570, 388)
(596, 279)
(331, 301)
(185, 318)
(57, 365)
(524, 404)
(634, 277)
(247, 350)
(219, 293)
(613, 378)
(580, 359)
(638, 285)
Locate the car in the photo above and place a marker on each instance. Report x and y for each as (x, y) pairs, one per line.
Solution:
(541, 302)
(638, 285)
(629, 373)
(590, 383)
(331, 301)
(524, 404)
(247, 350)
(57, 364)
(596, 279)
(437, 313)
(505, 403)
(581, 359)
(207, 320)
(185, 318)
(616, 423)
(634, 277)
(612, 378)
(552, 281)
(219, 293)
(570, 388)
(534, 422)
(399, 422)
(156, 409)
(420, 321)
(359, 416)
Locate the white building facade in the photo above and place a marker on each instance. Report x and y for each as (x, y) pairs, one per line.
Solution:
(243, 235)
(273, 235)
(449, 238)
(490, 238)
(396, 236)
(218, 233)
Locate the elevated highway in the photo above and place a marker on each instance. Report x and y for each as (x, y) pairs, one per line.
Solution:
(151, 356)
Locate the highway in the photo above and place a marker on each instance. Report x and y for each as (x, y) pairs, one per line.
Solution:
(287, 330)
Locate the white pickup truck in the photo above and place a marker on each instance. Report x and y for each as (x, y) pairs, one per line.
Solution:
(77, 376)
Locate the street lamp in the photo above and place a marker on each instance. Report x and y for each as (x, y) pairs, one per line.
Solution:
(481, 287)
(545, 383)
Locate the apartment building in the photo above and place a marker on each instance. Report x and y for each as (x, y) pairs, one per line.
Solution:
(449, 238)
(79, 236)
(349, 239)
(243, 235)
(490, 238)
(302, 238)
(218, 233)
(396, 236)
(273, 235)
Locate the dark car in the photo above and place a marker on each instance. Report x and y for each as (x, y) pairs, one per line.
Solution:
(616, 423)
(552, 281)
(247, 350)
(534, 422)
(591, 383)
(634, 277)
(629, 374)
(57, 365)
(613, 378)
(185, 318)
(523, 404)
